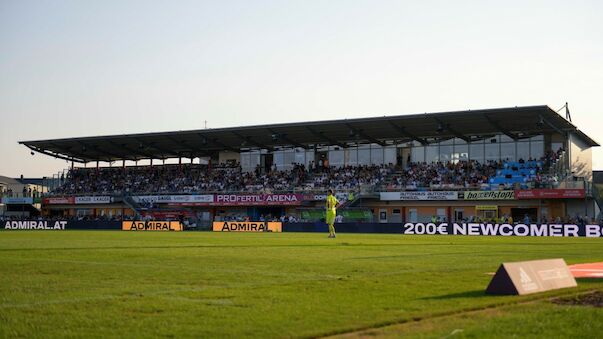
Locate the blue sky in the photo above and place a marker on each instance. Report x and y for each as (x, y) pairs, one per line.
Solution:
(81, 68)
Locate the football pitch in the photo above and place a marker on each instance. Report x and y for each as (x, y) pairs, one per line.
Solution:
(202, 284)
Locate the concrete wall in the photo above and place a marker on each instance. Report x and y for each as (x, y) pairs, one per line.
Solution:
(581, 158)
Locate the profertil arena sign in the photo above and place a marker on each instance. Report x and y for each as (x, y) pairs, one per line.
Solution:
(247, 226)
(151, 226)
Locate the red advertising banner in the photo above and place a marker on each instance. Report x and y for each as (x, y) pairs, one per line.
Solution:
(258, 199)
(550, 194)
(59, 201)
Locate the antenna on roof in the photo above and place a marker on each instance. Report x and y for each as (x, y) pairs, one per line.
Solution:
(205, 121)
(568, 116)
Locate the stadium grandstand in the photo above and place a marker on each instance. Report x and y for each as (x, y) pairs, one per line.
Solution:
(494, 164)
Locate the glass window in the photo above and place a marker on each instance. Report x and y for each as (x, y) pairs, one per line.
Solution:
(300, 155)
(447, 142)
(364, 156)
(461, 153)
(245, 158)
(417, 154)
(476, 152)
(278, 159)
(249, 161)
(492, 152)
(390, 155)
(523, 150)
(431, 153)
(376, 155)
(288, 159)
(254, 160)
(536, 149)
(537, 138)
(507, 151)
(336, 158)
(352, 156)
(309, 157)
(446, 153)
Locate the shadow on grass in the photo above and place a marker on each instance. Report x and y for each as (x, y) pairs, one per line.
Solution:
(466, 294)
(589, 280)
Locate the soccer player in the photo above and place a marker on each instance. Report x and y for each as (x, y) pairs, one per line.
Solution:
(331, 205)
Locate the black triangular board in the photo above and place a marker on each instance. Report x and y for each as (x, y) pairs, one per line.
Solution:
(501, 283)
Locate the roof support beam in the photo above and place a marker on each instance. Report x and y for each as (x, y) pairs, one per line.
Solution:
(365, 136)
(548, 123)
(324, 137)
(251, 141)
(500, 128)
(407, 134)
(454, 132)
(96, 148)
(55, 155)
(190, 149)
(206, 140)
(68, 150)
(131, 150)
(177, 144)
(284, 137)
(152, 145)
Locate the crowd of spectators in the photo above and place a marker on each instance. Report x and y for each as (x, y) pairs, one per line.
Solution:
(225, 177)
(4, 218)
(551, 157)
(470, 174)
(196, 178)
(348, 177)
(463, 174)
(27, 192)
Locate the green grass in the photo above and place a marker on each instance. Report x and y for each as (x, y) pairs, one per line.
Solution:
(194, 284)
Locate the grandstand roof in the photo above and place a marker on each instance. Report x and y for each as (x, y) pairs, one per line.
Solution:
(516, 122)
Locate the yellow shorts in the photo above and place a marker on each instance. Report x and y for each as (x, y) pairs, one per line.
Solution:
(331, 218)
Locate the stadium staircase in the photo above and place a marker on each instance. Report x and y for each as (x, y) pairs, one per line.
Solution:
(350, 203)
(127, 199)
(387, 182)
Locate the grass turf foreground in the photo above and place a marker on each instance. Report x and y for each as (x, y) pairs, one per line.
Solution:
(196, 284)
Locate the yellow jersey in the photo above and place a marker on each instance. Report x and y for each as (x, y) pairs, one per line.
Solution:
(331, 203)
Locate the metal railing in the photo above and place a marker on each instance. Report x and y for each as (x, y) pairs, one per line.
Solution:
(287, 191)
(597, 195)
